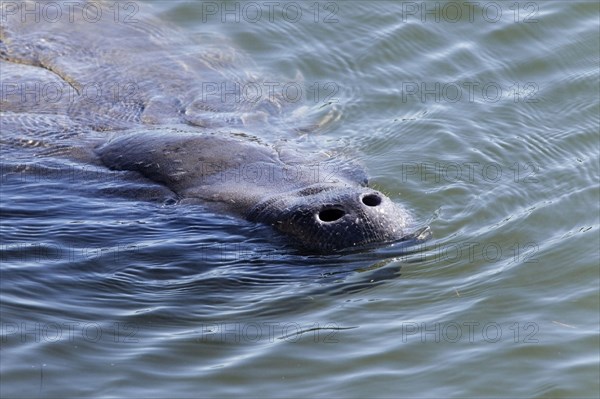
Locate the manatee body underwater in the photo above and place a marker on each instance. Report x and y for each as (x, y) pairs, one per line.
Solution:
(150, 113)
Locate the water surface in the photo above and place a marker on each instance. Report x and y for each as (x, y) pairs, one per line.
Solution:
(483, 122)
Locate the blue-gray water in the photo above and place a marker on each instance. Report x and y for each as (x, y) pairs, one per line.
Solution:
(482, 120)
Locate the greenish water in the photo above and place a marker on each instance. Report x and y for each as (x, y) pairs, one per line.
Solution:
(483, 121)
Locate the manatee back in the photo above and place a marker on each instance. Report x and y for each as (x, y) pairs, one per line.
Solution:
(130, 70)
(185, 161)
(233, 169)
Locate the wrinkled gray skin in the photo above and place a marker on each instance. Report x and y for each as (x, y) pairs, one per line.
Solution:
(170, 132)
(322, 206)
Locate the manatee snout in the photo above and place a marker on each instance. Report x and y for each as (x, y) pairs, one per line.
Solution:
(334, 213)
(327, 218)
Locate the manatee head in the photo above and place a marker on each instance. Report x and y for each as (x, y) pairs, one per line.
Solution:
(328, 218)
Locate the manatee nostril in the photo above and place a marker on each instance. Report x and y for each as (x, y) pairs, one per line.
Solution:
(330, 214)
(371, 200)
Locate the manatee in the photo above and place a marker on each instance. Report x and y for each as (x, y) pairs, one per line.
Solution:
(161, 124)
